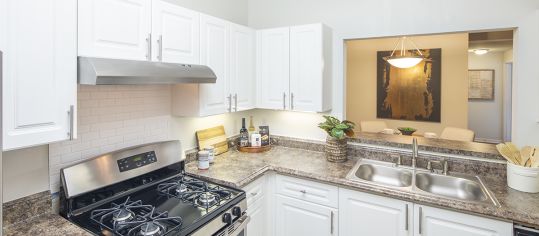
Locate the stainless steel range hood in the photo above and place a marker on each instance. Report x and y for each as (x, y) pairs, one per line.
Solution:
(101, 71)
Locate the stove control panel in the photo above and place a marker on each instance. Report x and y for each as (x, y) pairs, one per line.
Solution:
(136, 161)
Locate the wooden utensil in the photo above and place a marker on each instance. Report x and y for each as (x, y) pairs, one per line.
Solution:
(525, 155)
(506, 153)
(535, 158)
(215, 137)
(515, 152)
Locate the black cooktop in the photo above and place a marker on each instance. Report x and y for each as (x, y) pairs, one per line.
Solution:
(175, 206)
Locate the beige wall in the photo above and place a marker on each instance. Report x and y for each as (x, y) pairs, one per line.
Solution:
(361, 80)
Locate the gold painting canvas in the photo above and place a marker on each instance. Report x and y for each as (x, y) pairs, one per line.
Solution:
(412, 93)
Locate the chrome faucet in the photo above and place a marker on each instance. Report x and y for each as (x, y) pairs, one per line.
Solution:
(415, 152)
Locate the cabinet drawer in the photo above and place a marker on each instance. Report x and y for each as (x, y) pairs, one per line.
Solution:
(314, 192)
(255, 191)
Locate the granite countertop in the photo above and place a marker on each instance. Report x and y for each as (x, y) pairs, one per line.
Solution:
(48, 224)
(237, 169)
(36, 210)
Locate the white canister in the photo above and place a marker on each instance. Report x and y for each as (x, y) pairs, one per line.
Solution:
(256, 140)
(211, 153)
(523, 179)
(203, 161)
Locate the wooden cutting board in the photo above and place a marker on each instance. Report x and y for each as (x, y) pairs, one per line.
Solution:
(215, 137)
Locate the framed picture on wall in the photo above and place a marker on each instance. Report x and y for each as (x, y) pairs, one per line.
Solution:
(481, 84)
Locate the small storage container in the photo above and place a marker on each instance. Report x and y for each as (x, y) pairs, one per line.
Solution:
(523, 179)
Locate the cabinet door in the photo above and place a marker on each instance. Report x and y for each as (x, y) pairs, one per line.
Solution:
(437, 222)
(273, 68)
(214, 36)
(39, 45)
(115, 29)
(242, 67)
(296, 217)
(366, 214)
(258, 211)
(176, 33)
(306, 68)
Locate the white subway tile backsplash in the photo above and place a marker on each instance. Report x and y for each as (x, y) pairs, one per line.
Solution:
(111, 118)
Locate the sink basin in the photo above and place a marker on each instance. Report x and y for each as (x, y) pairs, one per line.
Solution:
(451, 187)
(459, 186)
(384, 175)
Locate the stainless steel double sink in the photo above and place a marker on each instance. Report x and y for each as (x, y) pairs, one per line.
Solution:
(459, 187)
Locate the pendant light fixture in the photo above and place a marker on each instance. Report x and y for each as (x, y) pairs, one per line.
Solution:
(404, 59)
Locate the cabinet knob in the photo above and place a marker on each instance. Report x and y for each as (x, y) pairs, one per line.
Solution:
(303, 191)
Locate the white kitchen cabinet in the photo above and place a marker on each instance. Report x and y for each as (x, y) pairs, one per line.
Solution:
(38, 39)
(298, 217)
(366, 214)
(175, 33)
(310, 68)
(294, 68)
(242, 67)
(228, 49)
(273, 68)
(257, 195)
(119, 29)
(431, 221)
(214, 37)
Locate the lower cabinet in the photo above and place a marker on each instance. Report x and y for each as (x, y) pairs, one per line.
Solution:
(297, 217)
(437, 222)
(258, 199)
(366, 214)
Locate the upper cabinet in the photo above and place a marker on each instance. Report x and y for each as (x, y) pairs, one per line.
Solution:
(228, 49)
(175, 33)
(273, 68)
(294, 68)
(38, 40)
(242, 67)
(310, 68)
(118, 29)
(214, 37)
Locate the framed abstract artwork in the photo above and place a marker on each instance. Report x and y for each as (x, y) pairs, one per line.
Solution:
(411, 93)
(481, 84)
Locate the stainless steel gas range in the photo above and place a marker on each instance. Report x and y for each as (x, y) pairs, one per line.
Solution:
(144, 191)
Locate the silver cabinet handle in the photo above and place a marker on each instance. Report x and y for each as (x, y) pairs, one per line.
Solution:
(71, 114)
(303, 191)
(229, 102)
(291, 101)
(420, 223)
(235, 102)
(149, 49)
(254, 194)
(331, 227)
(284, 101)
(406, 218)
(160, 43)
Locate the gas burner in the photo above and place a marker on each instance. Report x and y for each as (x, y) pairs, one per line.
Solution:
(206, 199)
(134, 218)
(151, 229)
(181, 188)
(122, 215)
(156, 224)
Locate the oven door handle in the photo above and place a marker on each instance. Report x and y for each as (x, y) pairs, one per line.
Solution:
(235, 228)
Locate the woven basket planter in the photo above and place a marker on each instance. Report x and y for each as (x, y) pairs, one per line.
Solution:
(336, 149)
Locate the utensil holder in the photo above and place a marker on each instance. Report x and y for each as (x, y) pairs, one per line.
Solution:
(523, 179)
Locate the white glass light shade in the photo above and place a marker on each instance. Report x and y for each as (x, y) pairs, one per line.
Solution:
(404, 62)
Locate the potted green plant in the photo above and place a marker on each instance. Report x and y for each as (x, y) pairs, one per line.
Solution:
(336, 140)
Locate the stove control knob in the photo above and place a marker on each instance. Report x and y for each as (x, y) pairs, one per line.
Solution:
(227, 218)
(236, 211)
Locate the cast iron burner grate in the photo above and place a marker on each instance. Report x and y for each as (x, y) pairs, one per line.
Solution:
(196, 192)
(133, 218)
